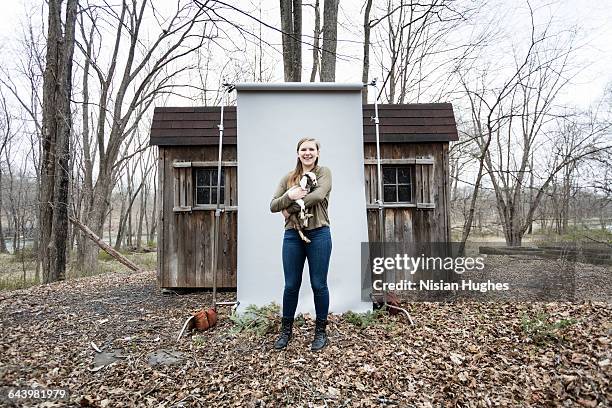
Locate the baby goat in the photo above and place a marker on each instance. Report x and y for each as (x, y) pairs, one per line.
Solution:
(299, 220)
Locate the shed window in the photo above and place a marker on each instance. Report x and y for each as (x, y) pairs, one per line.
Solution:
(397, 184)
(206, 186)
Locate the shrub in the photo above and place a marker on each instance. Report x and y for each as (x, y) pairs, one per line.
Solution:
(364, 320)
(257, 320)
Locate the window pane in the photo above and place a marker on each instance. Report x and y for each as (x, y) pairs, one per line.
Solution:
(213, 195)
(200, 195)
(389, 175)
(200, 175)
(403, 175)
(213, 177)
(404, 194)
(390, 194)
(205, 196)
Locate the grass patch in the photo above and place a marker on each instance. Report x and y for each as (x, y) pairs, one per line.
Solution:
(578, 234)
(13, 283)
(255, 320)
(541, 330)
(106, 264)
(12, 272)
(12, 267)
(364, 320)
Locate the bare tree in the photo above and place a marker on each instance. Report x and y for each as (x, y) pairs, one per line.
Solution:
(6, 126)
(126, 94)
(509, 125)
(24, 83)
(417, 51)
(56, 128)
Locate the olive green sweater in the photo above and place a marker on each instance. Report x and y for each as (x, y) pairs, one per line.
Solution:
(316, 201)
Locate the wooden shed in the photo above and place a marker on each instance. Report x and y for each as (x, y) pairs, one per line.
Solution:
(414, 151)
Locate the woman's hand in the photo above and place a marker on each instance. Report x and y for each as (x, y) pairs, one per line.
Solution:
(297, 193)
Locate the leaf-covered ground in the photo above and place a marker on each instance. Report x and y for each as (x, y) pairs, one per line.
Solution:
(458, 354)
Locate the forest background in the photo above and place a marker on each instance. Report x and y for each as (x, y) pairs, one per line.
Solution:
(529, 81)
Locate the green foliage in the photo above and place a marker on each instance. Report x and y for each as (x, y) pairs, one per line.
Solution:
(364, 320)
(257, 320)
(541, 331)
(151, 243)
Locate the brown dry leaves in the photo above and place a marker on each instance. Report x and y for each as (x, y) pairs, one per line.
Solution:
(459, 354)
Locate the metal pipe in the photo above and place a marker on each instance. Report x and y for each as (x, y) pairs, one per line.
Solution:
(379, 183)
(218, 210)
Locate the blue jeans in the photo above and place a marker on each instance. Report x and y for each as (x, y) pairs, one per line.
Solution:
(295, 252)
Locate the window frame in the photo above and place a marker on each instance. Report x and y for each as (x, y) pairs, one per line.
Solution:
(212, 188)
(397, 184)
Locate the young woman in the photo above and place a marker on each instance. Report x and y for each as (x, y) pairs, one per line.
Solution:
(295, 250)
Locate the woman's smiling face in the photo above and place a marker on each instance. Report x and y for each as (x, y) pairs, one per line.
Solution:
(308, 154)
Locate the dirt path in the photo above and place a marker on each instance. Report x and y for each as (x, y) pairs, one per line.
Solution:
(466, 353)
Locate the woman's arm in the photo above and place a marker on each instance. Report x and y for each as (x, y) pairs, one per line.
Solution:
(324, 184)
(280, 200)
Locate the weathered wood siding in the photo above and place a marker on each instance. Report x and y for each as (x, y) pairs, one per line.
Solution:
(411, 224)
(407, 225)
(186, 238)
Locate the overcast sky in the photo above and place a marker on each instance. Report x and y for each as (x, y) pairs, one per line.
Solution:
(592, 17)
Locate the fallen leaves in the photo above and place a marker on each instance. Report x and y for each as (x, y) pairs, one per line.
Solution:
(461, 354)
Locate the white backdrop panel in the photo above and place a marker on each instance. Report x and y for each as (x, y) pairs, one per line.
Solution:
(271, 119)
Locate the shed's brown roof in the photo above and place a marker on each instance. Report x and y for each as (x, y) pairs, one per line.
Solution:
(409, 123)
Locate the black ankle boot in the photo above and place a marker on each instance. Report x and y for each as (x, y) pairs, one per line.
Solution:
(320, 338)
(285, 333)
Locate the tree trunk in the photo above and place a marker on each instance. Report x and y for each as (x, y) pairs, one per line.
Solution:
(141, 211)
(130, 230)
(315, 49)
(55, 172)
(154, 212)
(366, 51)
(97, 219)
(59, 229)
(291, 26)
(86, 201)
(49, 132)
(121, 226)
(330, 29)
(530, 228)
(3, 249)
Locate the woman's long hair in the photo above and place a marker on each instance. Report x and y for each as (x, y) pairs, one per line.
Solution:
(296, 175)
